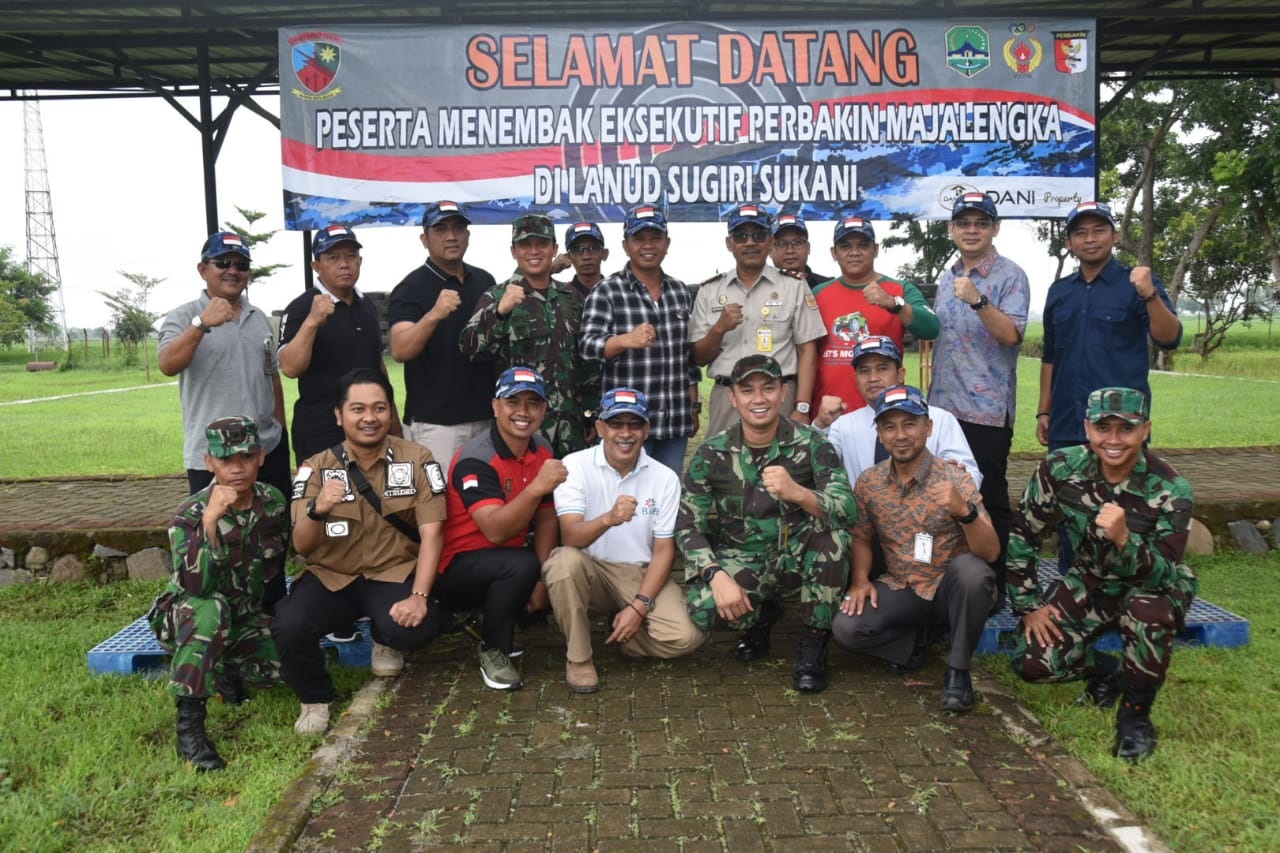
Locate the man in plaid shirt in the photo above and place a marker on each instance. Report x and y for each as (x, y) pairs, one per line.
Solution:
(636, 322)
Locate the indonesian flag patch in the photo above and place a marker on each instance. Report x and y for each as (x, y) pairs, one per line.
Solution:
(624, 397)
(447, 207)
(470, 481)
(524, 376)
(896, 395)
(232, 240)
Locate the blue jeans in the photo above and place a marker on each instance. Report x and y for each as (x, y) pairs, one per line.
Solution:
(668, 451)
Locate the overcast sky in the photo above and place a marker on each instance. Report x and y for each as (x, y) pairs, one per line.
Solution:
(126, 183)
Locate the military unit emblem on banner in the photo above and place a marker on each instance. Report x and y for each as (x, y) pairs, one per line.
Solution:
(315, 64)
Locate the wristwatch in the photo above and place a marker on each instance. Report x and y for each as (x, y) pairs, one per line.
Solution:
(971, 517)
(982, 302)
(802, 408)
(313, 514)
(648, 602)
(198, 323)
(710, 572)
(898, 304)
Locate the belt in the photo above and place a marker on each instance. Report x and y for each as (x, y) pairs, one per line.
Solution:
(726, 382)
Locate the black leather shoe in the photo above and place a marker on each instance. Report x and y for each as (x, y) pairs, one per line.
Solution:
(1103, 687)
(810, 674)
(193, 743)
(754, 643)
(1135, 733)
(957, 691)
(230, 686)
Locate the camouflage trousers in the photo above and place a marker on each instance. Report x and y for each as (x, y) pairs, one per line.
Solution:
(815, 568)
(564, 431)
(1148, 623)
(211, 635)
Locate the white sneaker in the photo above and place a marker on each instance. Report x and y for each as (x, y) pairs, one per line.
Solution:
(314, 719)
(386, 661)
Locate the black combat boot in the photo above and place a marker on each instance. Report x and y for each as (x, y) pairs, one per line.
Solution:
(810, 674)
(1135, 734)
(230, 686)
(1103, 687)
(754, 643)
(193, 743)
(957, 691)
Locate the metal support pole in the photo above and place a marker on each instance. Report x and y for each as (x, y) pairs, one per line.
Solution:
(209, 153)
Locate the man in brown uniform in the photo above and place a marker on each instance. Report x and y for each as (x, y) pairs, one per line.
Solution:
(369, 516)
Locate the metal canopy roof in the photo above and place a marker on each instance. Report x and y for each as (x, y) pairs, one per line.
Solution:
(153, 47)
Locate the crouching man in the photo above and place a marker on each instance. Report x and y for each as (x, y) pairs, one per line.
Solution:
(369, 516)
(1126, 512)
(227, 540)
(617, 512)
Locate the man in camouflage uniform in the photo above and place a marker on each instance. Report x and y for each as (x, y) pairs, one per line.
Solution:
(765, 514)
(226, 541)
(1127, 513)
(533, 320)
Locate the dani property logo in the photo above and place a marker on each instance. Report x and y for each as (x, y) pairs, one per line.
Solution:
(316, 57)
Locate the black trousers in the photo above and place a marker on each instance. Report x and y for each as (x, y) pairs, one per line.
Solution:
(497, 581)
(311, 610)
(274, 472)
(991, 446)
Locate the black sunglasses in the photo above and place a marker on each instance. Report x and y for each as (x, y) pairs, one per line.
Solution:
(228, 263)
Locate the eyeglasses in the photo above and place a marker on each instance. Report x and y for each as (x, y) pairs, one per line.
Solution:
(980, 224)
(586, 249)
(632, 424)
(754, 235)
(228, 263)
(790, 244)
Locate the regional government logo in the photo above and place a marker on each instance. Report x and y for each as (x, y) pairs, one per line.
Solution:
(968, 50)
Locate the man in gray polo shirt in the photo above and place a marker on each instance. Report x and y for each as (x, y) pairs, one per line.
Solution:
(223, 351)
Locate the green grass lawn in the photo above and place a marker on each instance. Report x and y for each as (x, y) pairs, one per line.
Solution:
(1211, 784)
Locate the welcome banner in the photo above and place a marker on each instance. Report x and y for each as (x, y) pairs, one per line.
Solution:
(891, 119)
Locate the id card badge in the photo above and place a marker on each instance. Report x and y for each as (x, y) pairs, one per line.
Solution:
(924, 548)
(764, 339)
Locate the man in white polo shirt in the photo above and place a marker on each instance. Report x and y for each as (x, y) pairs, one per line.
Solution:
(617, 511)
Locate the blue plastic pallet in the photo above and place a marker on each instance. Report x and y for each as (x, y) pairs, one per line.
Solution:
(1207, 625)
(135, 649)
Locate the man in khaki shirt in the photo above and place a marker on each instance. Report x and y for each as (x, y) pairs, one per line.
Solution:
(755, 310)
(369, 516)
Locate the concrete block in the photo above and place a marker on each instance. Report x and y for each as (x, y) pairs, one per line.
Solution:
(102, 552)
(8, 577)
(1199, 540)
(7, 560)
(149, 564)
(1247, 538)
(37, 559)
(68, 567)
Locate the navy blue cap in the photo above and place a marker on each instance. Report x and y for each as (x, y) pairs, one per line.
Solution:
(974, 201)
(902, 398)
(1091, 208)
(749, 214)
(789, 220)
(853, 224)
(224, 243)
(326, 238)
(618, 401)
(876, 345)
(520, 378)
(642, 217)
(583, 229)
(441, 210)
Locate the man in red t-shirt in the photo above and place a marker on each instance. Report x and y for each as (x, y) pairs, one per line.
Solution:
(500, 487)
(860, 303)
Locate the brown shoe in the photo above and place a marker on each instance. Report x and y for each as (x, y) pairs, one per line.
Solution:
(581, 677)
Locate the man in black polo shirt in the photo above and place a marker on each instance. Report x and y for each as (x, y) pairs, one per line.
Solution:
(324, 333)
(448, 398)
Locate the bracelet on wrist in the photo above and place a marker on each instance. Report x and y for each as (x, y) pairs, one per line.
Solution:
(421, 594)
(1040, 415)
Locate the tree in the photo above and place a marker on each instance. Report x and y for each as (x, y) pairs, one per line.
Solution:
(251, 239)
(131, 321)
(1228, 278)
(24, 301)
(934, 250)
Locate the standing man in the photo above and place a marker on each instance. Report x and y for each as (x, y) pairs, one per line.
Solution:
(617, 510)
(446, 394)
(982, 310)
(584, 249)
(938, 543)
(1127, 513)
(224, 349)
(499, 494)
(1096, 325)
(859, 303)
(636, 323)
(791, 250)
(755, 309)
(765, 514)
(533, 320)
(324, 333)
(226, 541)
(368, 514)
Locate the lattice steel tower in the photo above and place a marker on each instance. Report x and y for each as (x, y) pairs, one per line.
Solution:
(42, 243)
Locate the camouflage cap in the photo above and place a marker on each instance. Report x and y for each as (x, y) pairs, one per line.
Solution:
(519, 378)
(619, 401)
(902, 398)
(532, 225)
(876, 345)
(229, 436)
(754, 364)
(1128, 404)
